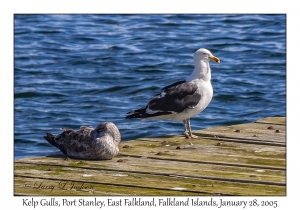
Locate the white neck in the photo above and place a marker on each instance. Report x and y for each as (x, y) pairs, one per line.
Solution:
(201, 71)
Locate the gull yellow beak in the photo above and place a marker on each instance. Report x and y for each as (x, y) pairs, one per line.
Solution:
(216, 59)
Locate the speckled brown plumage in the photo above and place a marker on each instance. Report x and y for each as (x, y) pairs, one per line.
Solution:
(87, 142)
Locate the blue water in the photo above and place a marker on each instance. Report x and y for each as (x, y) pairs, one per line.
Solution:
(73, 70)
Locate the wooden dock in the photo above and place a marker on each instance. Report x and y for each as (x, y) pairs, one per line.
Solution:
(246, 159)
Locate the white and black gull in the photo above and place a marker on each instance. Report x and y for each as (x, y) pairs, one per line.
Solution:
(184, 99)
(100, 143)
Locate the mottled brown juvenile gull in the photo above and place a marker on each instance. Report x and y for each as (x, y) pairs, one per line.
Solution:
(184, 99)
(88, 143)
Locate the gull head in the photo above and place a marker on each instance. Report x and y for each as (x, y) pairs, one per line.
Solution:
(205, 55)
(107, 129)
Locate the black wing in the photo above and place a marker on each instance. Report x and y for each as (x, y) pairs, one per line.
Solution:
(176, 97)
(174, 84)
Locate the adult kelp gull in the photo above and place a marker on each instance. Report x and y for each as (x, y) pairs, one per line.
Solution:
(184, 99)
(100, 143)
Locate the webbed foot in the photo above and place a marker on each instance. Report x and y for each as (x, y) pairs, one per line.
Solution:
(188, 136)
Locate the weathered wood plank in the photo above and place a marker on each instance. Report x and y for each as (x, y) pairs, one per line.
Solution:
(208, 150)
(161, 168)
(273, 120)
(222, 162)
(99, 189)
(167, 182)
(257, 133)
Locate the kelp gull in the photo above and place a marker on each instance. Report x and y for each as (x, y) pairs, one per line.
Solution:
(184, 99)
